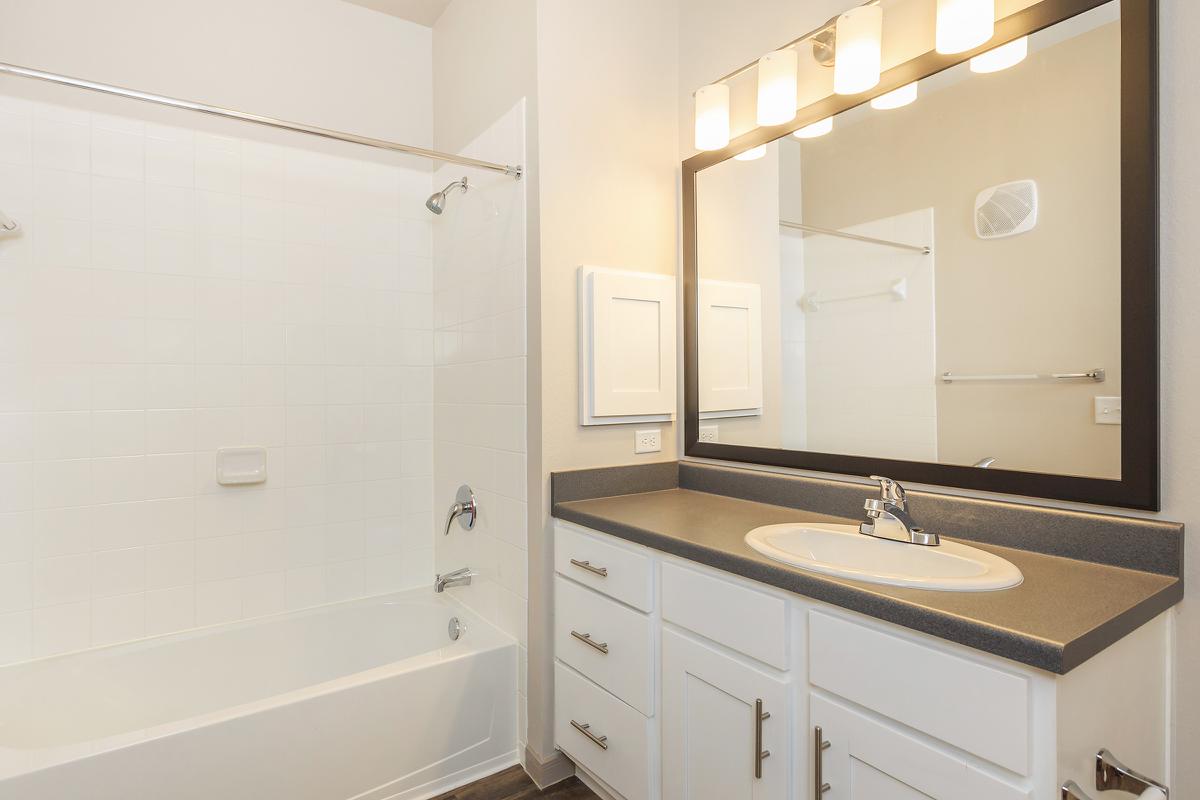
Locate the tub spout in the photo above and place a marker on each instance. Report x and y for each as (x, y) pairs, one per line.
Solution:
(459, 577)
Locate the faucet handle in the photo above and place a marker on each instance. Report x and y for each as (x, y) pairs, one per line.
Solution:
(891, 492)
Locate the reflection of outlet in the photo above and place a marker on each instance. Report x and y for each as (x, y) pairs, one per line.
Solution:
(648, 441)
(708, 433)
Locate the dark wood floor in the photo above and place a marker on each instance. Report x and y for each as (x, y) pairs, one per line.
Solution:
(514, 784)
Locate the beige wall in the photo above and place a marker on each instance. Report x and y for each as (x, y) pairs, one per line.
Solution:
(1045, 301)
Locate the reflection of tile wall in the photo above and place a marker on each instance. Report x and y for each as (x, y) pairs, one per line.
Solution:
(479, 380)
(173, 292)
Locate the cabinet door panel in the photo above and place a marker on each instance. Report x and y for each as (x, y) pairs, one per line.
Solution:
(709, 725)
(868, 759)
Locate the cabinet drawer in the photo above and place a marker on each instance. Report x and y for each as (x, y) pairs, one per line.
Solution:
(608, 568)
(751, 622)
(609, 643)
(616, 743)
(975, 707)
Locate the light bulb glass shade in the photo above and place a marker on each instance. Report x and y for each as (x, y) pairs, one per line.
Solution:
(859, 50)
(753, 154)
(777, 87)
(1003, 57)
(712, 117)
(964, 24)
(818, 128)
(897, 98)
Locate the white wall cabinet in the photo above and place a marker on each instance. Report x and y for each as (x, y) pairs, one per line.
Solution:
(626, 346)
(725, 725)
(731, 362)
(907, 716)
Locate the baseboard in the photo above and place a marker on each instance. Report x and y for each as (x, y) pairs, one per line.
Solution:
(550, 771)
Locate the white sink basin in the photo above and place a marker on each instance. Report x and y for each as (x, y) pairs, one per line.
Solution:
(842, 551)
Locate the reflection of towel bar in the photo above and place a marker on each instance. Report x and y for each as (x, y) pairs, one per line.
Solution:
(1098, 375)
(812, 301)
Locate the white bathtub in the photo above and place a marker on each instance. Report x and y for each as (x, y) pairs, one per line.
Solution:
(368, 699)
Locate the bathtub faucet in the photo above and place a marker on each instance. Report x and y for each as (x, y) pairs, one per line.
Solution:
(459, 577)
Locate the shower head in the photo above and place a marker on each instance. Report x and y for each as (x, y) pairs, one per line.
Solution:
(437, 201)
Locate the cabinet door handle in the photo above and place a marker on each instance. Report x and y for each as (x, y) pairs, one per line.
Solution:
(586, 730)
(760, 717)
(601, 571)
(820, 787)
(587, 639)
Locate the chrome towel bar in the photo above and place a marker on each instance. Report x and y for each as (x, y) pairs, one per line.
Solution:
(1112, 774)
(1099, 375)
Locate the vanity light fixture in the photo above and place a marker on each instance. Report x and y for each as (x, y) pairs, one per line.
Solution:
(818, 128)
(964, 24)
(753, 154)
(777, 87)
(1003, 57)
(858, 53)
(897, 98)
(712, 117)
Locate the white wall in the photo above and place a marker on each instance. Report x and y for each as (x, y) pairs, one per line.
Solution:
(184, 283)
(322, 62)
(172, 293)
(479, 381)
(1180, 127)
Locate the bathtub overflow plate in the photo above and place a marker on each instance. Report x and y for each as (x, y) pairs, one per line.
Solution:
(456, 629)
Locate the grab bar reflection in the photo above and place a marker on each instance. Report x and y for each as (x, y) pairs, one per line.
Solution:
(1099, 375)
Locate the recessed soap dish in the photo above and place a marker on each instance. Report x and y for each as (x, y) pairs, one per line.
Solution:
(238, 466)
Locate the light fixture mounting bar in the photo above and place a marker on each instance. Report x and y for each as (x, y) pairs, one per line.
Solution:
(814, 33)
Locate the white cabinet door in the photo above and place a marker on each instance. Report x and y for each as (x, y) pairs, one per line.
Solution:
(712, 732)
(868, 759)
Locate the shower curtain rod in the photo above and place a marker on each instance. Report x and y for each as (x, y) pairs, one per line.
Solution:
(383, 144)
(799, 226)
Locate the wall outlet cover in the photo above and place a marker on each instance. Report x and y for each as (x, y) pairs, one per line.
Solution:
(709, 433)
(648, 441)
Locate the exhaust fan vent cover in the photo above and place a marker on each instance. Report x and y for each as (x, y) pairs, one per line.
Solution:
(1006, 210)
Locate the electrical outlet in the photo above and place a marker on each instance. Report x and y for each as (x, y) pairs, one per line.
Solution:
(708, 433)
(648, 441)
(1108, 410)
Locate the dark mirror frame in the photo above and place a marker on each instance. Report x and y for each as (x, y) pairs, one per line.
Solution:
(1139, 484)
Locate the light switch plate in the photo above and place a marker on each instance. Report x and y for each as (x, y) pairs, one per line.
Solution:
(648, 441)
(1108, 410)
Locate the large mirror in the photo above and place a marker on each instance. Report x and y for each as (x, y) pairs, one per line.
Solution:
(951, 281)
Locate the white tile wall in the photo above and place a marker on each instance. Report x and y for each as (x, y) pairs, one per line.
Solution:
(479, 380)
(173, 292)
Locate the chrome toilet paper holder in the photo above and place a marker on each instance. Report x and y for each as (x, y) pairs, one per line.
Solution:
(1113, 775)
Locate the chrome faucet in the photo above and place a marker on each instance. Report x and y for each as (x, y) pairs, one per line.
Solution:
(887, 516)
(459, 577)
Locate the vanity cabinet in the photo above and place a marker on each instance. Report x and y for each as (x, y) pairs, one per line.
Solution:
(710, 686)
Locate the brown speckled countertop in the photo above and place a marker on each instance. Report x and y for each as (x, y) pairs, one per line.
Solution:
(1064, 612)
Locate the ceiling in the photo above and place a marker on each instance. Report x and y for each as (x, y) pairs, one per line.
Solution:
(422, 12)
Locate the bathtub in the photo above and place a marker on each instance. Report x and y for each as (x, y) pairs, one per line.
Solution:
(369, 699)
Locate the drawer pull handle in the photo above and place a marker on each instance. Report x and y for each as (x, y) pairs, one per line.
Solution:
(586, 638)
(760, 717)
(586, 730)
(600, 571)
(820, 787)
